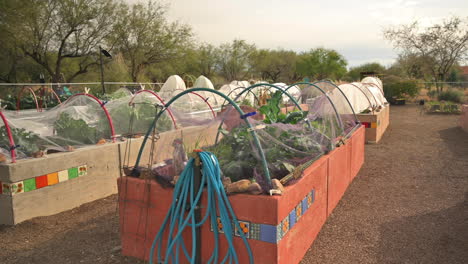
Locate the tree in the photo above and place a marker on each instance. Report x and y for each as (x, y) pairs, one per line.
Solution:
(354, 74)
(233, 60)
(51, 32)
(275, 65)
(207, 57)
(145, 37)
(321, 63)
(439, 46)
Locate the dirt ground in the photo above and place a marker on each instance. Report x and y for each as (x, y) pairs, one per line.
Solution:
(409, 204)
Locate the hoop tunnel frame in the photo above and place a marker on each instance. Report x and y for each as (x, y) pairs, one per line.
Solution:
(367, 97)
(109, 119)
(10, 138)
(336, 86)
(160, 100)
(326, 95)
(248, 89)
(18, 100)
(239, 110)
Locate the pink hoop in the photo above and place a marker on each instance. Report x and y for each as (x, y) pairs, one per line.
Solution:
(160, 100)
(18, 100)
(10, 138)
(206, 101)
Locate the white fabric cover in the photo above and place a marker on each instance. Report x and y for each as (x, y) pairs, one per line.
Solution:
(356, 97)
(373, 80)
(244, 84)
(232, 90)
(173, 85)
(203, 82)
(294, 91)
(378, 94)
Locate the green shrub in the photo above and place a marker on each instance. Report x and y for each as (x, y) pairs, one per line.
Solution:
(451, 95)
(395, 88)
(432, 93)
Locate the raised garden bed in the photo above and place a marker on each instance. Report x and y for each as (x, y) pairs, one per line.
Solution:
(280, 229)
(442, 108)
(375, 123)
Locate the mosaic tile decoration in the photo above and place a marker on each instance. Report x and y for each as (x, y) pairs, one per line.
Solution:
(370, 124)
(270, 233)
(42, 181)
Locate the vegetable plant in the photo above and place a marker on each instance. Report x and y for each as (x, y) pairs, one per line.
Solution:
(27, 141)
(76, 130)
(272, 111)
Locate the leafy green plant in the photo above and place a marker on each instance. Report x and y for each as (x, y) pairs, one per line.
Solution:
(451, 96)
(76, 130)
(142, 116)
(27, 141)
(272, 111)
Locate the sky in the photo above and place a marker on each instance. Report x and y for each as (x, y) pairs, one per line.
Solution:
(353, 28)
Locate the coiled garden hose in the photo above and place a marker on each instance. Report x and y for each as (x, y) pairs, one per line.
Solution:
(181, 215)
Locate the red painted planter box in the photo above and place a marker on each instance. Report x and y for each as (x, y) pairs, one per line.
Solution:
(280, 228)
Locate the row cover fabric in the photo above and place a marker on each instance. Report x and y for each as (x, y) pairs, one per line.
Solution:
(373, 80)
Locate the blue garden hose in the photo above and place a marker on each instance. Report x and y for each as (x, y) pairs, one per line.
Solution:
(181, 215)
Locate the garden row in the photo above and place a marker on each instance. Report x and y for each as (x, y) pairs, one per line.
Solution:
(275, 135)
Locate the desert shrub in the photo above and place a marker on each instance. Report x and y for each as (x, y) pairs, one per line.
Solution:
(395, 87)
(432, 93)
(451, 95)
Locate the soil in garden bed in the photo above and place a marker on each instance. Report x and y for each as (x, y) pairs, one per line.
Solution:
(409, 204)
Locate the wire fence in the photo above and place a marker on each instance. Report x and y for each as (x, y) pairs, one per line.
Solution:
(15, 89)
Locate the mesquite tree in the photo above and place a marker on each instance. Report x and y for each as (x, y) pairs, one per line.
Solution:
(52, 32)
(439, 46)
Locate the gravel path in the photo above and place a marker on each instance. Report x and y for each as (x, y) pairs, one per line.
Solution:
(409, 204)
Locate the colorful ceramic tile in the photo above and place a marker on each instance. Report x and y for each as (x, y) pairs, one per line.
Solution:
(373, 125)
(304, 205)
(244, 227)
(29, 185)
(254, 231)
(52, 178)
(279, 233)
(298, 211)
(220, 225)
(72, 173)
(41, 181)
(82, 170)
(292, 218)
(284, 226)
(309, 200)
(63, 176)
(268, 233)
(13, 188)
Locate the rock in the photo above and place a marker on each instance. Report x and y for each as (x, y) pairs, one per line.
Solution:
(127, 170)
(276, 184)
(116, 249)
(101, 141)
(37, 154)
(174, 181)
(255, 188)
(238, 187)
(226, 181)
(3, 158)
